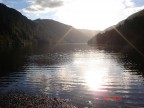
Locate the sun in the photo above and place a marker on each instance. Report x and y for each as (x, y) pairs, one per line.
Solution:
(90, 14)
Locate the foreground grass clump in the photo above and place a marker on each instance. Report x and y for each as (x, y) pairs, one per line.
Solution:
(23, 100)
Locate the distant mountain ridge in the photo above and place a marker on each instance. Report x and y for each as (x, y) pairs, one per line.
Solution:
(59, 32)
(129, 32)
(89, 33)
(18, 29)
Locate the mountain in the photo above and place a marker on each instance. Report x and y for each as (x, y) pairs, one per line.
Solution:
(18, 29)
(89, 33)
(14, 27)
(127, 33)
(53, 31)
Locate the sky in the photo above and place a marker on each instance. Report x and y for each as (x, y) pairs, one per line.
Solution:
(82, 14)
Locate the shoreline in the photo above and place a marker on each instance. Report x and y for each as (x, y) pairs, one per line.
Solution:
(25, 100)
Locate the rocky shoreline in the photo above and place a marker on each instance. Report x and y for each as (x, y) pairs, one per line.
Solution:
(24, 100)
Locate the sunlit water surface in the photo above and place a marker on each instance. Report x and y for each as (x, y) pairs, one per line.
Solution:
(85, 75)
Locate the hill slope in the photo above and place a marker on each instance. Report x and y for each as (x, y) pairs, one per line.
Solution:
(54, 31)
(18, 29)
(14, 27)
(129, 32)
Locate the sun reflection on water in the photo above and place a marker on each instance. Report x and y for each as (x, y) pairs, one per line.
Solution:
(88, 69)
(95, 69)
(94, 79)
(95, 75)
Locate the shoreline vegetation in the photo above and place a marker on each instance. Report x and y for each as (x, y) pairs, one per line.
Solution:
(21, 99)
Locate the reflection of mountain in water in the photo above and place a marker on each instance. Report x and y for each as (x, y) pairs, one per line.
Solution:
(12, 60)
(132, 60)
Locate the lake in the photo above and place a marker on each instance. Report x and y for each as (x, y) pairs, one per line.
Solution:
(90, 77)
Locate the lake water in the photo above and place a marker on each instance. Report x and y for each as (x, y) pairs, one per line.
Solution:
(90, 77)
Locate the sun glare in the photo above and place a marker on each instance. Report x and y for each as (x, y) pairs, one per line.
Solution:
(90, 14)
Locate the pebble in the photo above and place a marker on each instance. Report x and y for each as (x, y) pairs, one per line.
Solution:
(23, 100)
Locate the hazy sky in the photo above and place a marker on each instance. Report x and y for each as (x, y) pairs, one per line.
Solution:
(88, 14)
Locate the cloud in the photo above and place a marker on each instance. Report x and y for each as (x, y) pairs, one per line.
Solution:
(133, 3)
(129, 11)
(96, 14)
(91, 14)
(132, 6)
(128, 3)
(42, 5)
